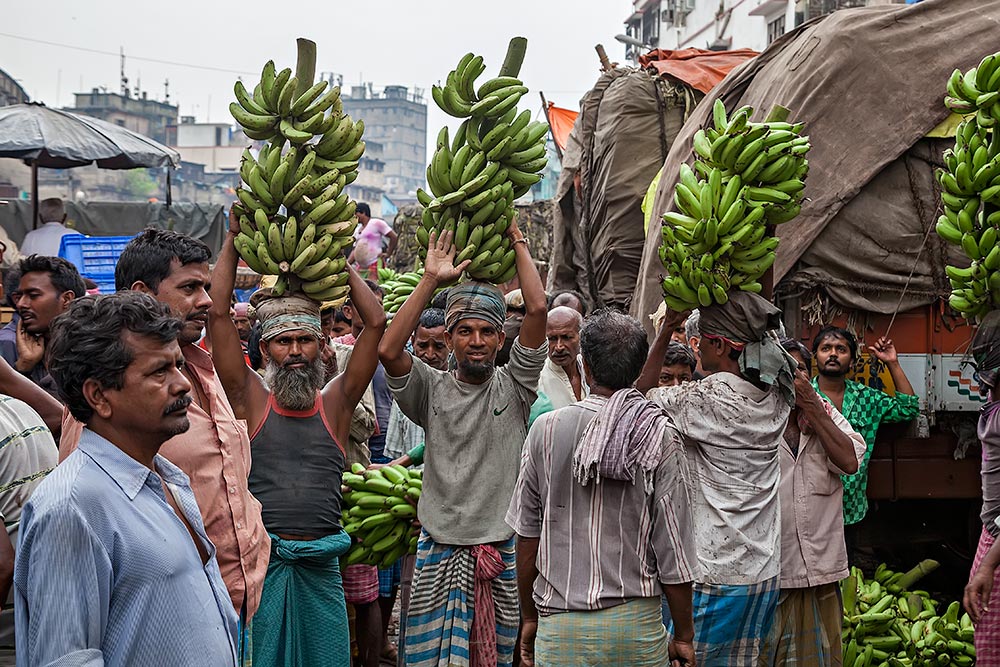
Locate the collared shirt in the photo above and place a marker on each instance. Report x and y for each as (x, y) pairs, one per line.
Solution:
(812, 522)
(215, 453)
(866, 408)
(402, 435)
(8, 341)
(108, 574)
(732, 431)
(46, 239)
(556, 385)
(27, 455)
(608, 542)
(474, 436)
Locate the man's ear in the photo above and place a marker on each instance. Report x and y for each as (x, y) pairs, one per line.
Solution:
(97, 398)
(447, 341)
(140, 286)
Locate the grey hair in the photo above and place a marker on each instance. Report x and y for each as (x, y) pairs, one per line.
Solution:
(614, 347)
(691, 328)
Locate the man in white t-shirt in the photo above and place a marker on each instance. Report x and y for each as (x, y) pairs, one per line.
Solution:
(368, 241)
(45, 240)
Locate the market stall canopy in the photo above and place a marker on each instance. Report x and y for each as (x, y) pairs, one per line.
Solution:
(58, 139)
(868, 83)
(698, 68)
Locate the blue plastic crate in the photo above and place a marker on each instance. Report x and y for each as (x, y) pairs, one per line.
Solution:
(95, 257)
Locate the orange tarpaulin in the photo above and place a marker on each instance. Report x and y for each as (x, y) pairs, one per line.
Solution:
(698, 68)
(560, 122)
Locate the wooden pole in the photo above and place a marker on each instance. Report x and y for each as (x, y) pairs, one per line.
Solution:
(603, 56)
(545, 110)
(34, 195)
(778, 114)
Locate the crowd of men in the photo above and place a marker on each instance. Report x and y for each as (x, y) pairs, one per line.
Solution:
(589, 498)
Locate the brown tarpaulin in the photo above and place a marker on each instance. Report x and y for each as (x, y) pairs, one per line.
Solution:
(869, 84)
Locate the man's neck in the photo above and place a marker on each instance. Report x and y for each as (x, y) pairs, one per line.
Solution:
(571, 370)
(142, 451)
(831, 384)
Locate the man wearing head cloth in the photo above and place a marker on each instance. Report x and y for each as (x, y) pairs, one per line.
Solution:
(732, 423)
(297, 425)
(475, 420)
(982, 599)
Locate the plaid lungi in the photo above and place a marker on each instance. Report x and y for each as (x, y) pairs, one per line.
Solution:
(360, 584)
(439, 619)
(388, 579)
(987, 638)
(807, 629)
(626, 635)
(732, 622)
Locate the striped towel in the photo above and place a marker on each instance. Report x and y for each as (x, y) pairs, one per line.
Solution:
(439, 620)
(626, 433)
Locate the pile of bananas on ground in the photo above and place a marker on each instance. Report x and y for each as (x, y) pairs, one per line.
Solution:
(396, 287)
(970, 190)
(379, 508)
(493, 158)
(295, 218)
(886, 624)
(746, 176)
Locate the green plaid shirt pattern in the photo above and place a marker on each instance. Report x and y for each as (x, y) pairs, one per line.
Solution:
(866, 408)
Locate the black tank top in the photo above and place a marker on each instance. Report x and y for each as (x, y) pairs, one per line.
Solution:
(295, 471)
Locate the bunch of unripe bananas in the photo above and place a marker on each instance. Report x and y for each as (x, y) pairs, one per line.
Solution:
(380, 506)
(746, 176)
(970, 193)
(397, 287)
(977, 91)
(295, 217)
(474, 177)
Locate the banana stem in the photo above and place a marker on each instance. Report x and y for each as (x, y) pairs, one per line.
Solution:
(305, 65)
(917, 572)
(515, 57)
(778, 114)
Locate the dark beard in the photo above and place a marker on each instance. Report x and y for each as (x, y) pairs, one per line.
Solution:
(294, 388)
(476, 371)
(830, 373)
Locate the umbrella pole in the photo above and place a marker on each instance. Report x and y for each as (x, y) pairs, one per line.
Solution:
(169, 196)
(34, 195)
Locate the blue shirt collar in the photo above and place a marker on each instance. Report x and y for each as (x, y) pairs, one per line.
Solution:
(129, 474)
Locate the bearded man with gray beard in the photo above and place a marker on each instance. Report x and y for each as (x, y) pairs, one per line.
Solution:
(298, 428)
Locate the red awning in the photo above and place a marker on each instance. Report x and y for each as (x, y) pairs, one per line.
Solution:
(698, 68)
(561, 122)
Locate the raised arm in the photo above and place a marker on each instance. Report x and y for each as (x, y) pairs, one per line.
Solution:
(344, 392)
(532, 333)
(439, 269)
(885, 351)
(838, 445)
(243, 386)
(17, 386)
(650, 376)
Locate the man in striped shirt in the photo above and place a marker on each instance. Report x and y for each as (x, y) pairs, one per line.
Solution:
(603, 520)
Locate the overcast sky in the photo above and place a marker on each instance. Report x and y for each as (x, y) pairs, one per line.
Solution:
(412, 43)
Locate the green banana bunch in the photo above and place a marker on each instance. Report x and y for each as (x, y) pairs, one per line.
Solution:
(397, 287)
(379, 507)
(295, 216)
(745, 177)
(474, 177)
(885, 623)
(977, 91)
(970, 190)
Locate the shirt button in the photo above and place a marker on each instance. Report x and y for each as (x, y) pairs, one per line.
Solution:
(232, 489)
(239, 524)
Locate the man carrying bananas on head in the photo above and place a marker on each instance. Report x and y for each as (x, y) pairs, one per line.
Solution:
(298, 426)
(463, 609)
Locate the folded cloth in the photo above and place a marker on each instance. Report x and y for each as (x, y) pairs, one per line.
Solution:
(282, 314)
(475, 300)
(626, 434)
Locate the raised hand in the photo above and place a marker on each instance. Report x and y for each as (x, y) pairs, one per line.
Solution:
(440, 262)
(884, 350)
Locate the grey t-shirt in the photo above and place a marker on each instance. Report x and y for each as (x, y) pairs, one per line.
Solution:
(989, 436)
(474, 435)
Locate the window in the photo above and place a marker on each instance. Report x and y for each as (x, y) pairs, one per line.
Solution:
(775, 29)
(218, 136)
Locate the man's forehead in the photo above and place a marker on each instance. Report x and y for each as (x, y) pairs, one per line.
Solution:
(833, 338)
(432, 332)
(192, 270)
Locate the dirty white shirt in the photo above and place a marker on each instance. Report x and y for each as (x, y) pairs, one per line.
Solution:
(556, 385)
(732, 433)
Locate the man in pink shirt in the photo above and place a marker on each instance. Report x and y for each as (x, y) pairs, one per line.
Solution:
(368, 240)
(215, 450)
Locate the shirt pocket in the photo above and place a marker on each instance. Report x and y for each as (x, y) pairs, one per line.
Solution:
(821, 481)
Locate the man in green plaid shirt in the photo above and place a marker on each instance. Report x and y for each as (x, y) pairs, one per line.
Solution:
(865, 408)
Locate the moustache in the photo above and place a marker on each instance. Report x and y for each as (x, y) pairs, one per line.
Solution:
(293, 360)
(181, 404)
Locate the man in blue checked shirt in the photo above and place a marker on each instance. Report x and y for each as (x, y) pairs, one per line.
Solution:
(114, 566)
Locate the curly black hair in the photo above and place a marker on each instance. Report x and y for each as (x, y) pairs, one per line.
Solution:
(62, 273)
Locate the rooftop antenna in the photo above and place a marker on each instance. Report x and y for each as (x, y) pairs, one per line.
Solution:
(124, 79)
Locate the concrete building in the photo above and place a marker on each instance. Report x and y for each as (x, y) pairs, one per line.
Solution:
(11, 91)
(722, 24)
(396, 118)
(139, 114)
(217, 146)
(370, 187)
